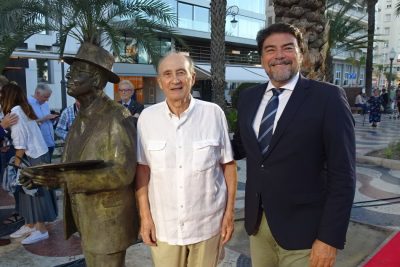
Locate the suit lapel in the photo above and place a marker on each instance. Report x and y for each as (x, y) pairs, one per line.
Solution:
(296, 99)
(254, 101)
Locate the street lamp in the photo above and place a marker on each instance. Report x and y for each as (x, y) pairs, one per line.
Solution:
(392, 55)
(233, 11)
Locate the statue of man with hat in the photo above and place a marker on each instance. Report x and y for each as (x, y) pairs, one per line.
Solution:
(99, 201)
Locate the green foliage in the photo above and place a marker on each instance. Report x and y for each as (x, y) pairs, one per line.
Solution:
(345, 32)
(231, 117)
(392, 151)
(236, 92)
(101, 22)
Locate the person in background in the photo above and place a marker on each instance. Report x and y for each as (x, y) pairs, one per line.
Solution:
(65, 121)
(297, 135)
(40, 205)
(6, 152)
(42, 110)
(186, 175)
(126, 92)
(385, 101)
(361, 102)
(376, 106)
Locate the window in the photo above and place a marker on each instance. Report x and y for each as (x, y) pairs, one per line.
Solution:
(337, 77)
(388, 17)
(256, 6)
(43, 70)
(193, 17)
(386, 31)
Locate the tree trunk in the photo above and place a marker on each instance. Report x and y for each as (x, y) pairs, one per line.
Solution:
(217, 47)
(309, 17)
(371, 31)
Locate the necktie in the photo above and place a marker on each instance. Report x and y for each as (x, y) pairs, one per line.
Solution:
(267, 121)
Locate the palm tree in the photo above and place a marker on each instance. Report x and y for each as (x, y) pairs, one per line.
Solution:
(19, 19)
(104, 22)
(397, 8)
(217, 47)
(309, 17)
(371, 32)
(344, 32)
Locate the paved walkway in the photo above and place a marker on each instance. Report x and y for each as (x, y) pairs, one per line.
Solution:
(373, 182)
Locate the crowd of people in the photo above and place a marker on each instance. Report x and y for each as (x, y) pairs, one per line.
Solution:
(297, 135)
(380, 102)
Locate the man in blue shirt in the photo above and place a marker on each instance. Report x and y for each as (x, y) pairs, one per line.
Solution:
(42, 110)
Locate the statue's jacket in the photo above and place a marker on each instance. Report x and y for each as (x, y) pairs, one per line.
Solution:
(100, 203)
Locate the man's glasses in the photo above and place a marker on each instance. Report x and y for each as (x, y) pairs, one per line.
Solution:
(125, 90)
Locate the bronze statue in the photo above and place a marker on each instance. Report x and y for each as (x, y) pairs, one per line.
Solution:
(99, 201)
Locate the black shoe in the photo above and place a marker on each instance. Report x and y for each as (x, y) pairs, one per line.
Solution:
(4, 242)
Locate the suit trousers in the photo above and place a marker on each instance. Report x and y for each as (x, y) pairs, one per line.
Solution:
(205, 253)
(265, 252)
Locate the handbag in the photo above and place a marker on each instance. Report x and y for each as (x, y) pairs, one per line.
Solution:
(11, 177)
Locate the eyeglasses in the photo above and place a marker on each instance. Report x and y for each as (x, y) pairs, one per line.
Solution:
(125, 90)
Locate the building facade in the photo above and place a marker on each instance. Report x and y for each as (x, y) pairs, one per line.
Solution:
(37, 60)
(387, 30)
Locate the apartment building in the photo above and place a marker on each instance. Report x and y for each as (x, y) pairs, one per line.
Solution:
(387, 30)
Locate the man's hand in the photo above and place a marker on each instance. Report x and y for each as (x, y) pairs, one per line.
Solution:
(9, 120)
(228, 226)
(50, 117)
(148, 231)
(322, 254)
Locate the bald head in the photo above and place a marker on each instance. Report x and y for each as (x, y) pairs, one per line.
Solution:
(176, 55)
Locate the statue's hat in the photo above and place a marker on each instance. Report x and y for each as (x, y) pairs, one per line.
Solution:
(96, 56)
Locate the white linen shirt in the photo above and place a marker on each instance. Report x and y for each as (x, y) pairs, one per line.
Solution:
(283, 100)
(26, 134)
(187, 189)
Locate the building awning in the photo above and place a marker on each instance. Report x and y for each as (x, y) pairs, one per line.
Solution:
(234, 73)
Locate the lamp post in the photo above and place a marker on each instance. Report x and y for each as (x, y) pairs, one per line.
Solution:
(233, 11)
(392, 55)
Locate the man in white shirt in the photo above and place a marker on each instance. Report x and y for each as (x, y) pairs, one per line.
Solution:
(186, 175)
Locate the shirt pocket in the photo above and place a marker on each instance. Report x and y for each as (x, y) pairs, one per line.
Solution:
(157, 154)
(205, 154)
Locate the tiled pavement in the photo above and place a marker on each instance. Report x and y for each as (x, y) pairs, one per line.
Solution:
(372, 182)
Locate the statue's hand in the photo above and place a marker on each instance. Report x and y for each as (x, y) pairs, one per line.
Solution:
(31, 179)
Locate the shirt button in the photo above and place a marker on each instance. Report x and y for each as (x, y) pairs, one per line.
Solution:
(180, 166)
(182, 224)
(182, 206)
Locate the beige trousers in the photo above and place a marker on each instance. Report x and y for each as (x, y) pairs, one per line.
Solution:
(202, 254)
(265, 252)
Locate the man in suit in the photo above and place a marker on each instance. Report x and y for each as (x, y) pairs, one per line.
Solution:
(99, 201)
(298, 137)
(126, 92)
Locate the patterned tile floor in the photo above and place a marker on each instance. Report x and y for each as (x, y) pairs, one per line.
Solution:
(373, 182)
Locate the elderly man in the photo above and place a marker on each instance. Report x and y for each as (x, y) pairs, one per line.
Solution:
(42, 110)
(99, 200)
(186, 177)
(126, 92)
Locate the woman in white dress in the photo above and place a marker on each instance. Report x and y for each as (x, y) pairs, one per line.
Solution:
(36, 206)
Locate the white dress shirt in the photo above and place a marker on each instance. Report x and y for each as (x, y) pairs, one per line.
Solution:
(283, 99)
(187, 189)
(26, 134)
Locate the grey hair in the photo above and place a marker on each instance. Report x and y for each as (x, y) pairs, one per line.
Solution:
(189, 60)
(127, 82)
(42, 88)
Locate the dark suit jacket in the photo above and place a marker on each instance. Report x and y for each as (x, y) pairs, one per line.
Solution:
(134, 107)
(306, 181)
